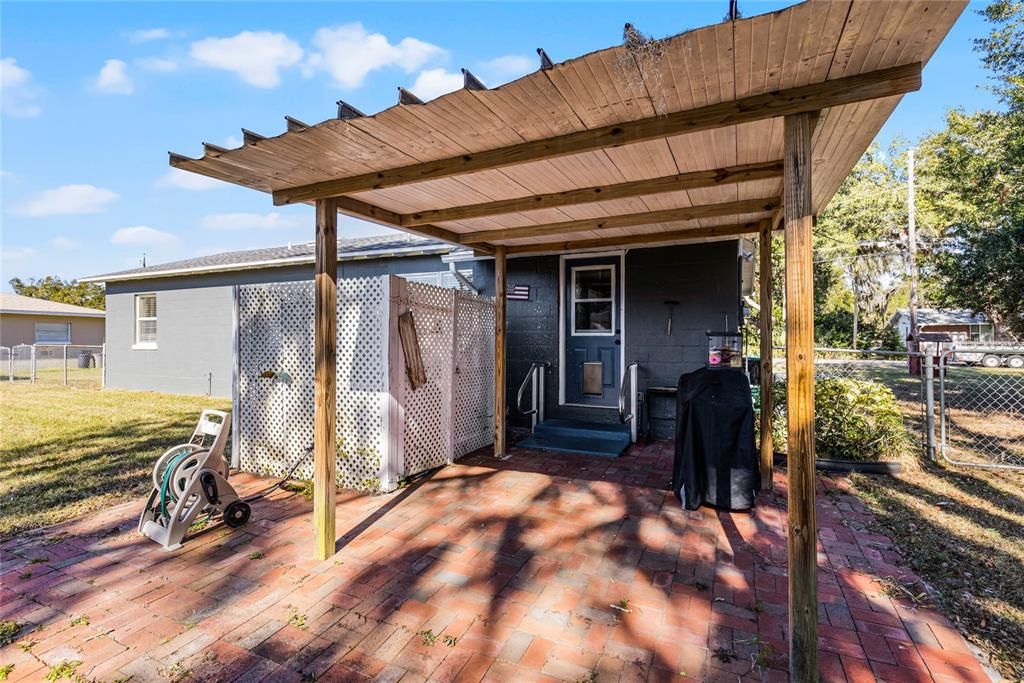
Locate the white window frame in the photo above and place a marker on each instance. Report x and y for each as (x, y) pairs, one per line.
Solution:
(576, 332)
(138, 319)
(438, 278)
(55, 343)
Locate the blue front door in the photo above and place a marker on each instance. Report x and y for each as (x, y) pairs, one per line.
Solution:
(593, 326)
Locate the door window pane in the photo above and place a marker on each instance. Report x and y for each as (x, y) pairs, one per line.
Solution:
(593, 283)
(593, 316)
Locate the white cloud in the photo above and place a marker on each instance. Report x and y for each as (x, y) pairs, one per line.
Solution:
(114, 79)
(160, 64)
(16, 90)
(257, 57)
(434, 82)
(141, 235)
(12, 75)
(145, 35)
(255, 221)
(348, 53)
(231, 142)
(183, 180)
(16, 253)
(63, 243)
(509, 66)
(68, 200)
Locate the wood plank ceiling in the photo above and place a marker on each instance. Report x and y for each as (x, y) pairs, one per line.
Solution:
(616, 146)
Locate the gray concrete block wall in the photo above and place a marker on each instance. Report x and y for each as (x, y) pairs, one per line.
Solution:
(702, 277)
(194, 353)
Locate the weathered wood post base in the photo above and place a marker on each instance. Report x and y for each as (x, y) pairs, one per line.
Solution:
(500, 272)
(803, 564)
(324, 343)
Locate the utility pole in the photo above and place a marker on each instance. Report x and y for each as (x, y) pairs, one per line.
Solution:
(912, 240)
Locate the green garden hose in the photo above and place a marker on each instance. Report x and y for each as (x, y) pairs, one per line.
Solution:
(165, 486)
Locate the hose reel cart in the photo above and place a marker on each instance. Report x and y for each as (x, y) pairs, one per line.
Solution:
(191, 479)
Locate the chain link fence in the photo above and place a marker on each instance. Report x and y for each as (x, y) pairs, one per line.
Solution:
(982, 413)
(896, 370)
(968, 414)
(65, 364)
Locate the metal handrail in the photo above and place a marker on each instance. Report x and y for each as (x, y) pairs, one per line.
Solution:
(622, 393)
(534, 367)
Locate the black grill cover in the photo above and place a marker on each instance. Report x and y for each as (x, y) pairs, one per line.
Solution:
(716, 462)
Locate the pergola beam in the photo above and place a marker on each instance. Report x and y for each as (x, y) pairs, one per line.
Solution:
(646, 239)
(672, 183)
(687, 213)
(213, 165)
(815, 96)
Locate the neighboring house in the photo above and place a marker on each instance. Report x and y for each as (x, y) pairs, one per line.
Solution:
(170, 327)
(26, 320)
(960, 325)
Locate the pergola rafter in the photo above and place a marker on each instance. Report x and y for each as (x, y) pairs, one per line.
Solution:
(686, 213)
(693, 180)
(897, 80)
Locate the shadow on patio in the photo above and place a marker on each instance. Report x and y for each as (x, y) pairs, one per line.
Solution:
(538, 567)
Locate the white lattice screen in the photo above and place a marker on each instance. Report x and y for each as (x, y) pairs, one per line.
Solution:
(473, 411)
(385, 429)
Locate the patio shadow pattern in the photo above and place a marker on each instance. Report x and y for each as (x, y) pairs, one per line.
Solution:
(538, 567)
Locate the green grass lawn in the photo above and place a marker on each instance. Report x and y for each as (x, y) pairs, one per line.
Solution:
(66, 451)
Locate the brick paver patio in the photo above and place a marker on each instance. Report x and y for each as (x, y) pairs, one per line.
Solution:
(541, 567)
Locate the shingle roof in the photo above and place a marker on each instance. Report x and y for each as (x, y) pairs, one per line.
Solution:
(376, 246)
(935, 316)
(26, 305)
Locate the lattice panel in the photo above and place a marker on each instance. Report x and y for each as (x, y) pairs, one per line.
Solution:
(276, 414)
(362, 381)
(474, 373)
(427, 435)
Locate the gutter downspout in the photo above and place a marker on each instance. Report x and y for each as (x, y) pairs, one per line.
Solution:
(462, 278)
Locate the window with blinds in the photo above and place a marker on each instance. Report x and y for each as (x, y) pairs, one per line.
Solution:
(145, 319)
(53, 333)
(441, 278)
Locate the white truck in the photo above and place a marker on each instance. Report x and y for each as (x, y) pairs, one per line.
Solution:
(990, 354)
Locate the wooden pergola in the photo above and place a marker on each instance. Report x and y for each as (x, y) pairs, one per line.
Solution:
(738, 128)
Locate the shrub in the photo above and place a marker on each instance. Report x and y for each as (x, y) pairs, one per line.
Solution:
(853, 420)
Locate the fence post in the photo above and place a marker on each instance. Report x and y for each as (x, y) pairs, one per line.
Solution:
(32, 364)
(65, 365)
(10, 365)
(929, 401)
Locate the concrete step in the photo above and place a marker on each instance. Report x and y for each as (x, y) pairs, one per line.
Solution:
(570, 436)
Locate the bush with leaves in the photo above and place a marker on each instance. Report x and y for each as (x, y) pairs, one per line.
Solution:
(853, 420)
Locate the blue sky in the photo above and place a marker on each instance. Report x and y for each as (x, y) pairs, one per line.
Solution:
(95, 94)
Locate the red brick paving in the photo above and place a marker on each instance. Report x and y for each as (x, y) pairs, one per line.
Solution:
(541, 567)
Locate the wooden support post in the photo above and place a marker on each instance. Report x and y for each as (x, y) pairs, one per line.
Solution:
(803, 560)
(500, 271)
(324, 342)
(767, 399)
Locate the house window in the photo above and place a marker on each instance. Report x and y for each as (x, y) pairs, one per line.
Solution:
(145, 321)
(440, 278)
(593, 300)
(53, 333)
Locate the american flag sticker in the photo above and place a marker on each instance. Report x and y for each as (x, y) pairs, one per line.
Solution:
(518, 293)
